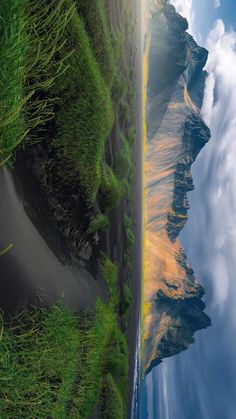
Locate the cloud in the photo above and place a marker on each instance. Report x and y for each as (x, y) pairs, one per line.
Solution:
(217, 3)
(213, 215)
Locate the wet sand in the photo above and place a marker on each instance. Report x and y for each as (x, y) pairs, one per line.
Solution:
(31, 268)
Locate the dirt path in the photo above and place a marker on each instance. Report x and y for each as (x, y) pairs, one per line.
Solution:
(30, 267)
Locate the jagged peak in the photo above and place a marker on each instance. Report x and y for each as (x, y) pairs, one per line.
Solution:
(176, 77)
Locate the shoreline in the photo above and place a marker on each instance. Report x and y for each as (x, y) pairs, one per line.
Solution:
(136, 364)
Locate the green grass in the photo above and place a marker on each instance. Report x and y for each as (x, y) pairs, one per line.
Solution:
(28, 47)
(124, 112)
(34, 54)
(96, 24)
(111, 189)
(123, 159)
(109, 272)
(39, 354)
(86, 115)
(131, 136)
(113, 403)
(127, 299)
(96, 344)
(55, 363)
(98, 223)
(119, 89)
(130, 239)
(126, 188)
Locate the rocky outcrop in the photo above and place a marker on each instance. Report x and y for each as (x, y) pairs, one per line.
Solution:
(182, 318)
(195, 134)
(168, 58)
(176, 134)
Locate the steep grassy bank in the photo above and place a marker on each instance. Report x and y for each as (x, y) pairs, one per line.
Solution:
(56, 99)
(29, 66)
(50, 72)
(85, 117)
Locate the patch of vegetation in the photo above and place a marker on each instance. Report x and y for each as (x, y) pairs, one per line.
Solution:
(123, 159)
(96, 345)
(126, 188)
(39, 357)
(118, 40)
(127, 262)
(129, 243)
(113, 404)
(98, 223)
(111, 189)
(117, 361)
(109, 272)
(130, 239)
(119, 89)
(86, 116)
(131, 136)
(53, 362)
(28, 49)
(34, 53)
(126, 300)
(124, 111)
(97, 26)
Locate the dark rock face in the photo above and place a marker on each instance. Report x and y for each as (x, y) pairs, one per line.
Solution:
(185, 317)
(174, 99)
(195, 134)
(168, 59)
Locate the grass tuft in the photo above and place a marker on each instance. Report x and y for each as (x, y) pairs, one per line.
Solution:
(29, 67)
(98, 223)
(111, 189)
(123, 159)
(96, 24)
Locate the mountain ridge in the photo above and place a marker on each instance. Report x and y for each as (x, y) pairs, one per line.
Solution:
(176, 133)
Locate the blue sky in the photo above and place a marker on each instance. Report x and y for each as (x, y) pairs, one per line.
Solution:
(227, 12)
(206, 14)
(200, 383)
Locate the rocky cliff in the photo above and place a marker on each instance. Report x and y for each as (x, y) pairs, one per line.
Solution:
(176, 133)
(195, 134)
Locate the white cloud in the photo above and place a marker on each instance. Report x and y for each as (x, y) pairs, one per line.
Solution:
(213, 218)
(217, 3)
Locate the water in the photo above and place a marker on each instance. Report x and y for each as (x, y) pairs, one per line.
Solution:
(137, 378)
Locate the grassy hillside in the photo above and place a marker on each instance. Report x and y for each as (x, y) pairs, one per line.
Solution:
(28, 48)
(85, 117)
(96, 24)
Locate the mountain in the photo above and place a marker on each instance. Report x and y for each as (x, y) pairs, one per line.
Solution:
(176, 133)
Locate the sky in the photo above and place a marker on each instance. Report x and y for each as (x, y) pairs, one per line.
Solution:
(200, 383)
